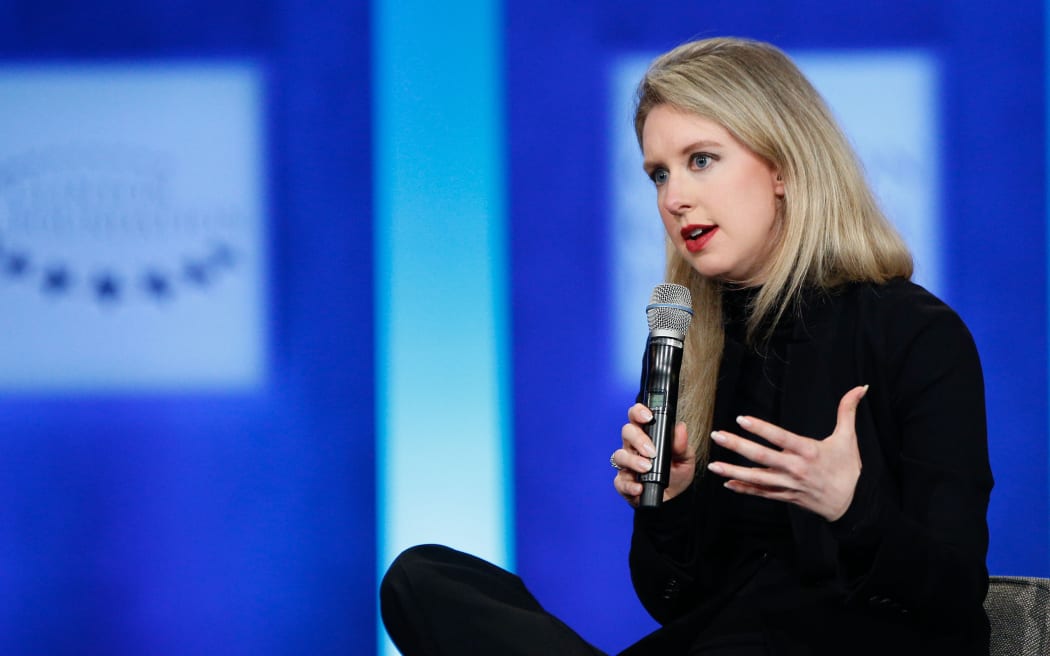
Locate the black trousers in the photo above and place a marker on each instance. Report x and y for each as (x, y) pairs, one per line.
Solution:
(436, 601)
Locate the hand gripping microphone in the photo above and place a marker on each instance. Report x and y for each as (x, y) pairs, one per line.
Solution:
(669, 312)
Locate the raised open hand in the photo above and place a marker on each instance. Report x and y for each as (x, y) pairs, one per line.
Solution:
(818, 475)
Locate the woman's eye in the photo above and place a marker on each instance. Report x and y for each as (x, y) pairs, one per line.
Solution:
(701, 160)
(659, 176)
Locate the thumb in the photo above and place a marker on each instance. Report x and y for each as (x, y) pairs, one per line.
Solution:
(680, 447)
(847, 415)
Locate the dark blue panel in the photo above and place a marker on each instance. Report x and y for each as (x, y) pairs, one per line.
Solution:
(125, 27)
(216, 523)
(572, 529)
(995, 203)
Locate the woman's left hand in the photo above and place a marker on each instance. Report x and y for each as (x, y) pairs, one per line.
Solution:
(818, 475)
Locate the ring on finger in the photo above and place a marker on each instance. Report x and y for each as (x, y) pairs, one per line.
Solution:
(612, 462)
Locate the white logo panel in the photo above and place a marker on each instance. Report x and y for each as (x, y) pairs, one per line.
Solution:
(132, 228)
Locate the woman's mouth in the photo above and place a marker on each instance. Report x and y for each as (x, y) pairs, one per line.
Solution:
(697, 236)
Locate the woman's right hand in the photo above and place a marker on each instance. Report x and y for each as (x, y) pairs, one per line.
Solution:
(634, 458)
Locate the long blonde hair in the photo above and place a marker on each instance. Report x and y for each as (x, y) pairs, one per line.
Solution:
(830, 228)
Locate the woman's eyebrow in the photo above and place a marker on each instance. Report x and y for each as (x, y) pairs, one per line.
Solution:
(649, 165)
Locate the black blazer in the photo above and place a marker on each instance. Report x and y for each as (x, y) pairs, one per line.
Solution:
(909, 554)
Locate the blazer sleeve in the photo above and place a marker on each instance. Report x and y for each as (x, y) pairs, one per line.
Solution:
(915, 538)
(663, 558)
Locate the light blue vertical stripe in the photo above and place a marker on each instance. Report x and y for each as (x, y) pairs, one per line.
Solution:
(442, 365)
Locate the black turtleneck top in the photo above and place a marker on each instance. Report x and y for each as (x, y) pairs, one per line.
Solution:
(754, 526)
(729, 571)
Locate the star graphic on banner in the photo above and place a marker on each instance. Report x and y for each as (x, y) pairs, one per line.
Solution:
(107, 287)
(197, 273)
(222, 256)
(16, 265)
(157, 285)
(57, 280)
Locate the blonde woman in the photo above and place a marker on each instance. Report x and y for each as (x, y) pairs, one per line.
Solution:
(830, 479)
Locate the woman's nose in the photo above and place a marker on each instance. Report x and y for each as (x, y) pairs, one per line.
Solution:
(678, 196)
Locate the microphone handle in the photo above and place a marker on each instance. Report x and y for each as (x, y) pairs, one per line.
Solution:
(664, 362)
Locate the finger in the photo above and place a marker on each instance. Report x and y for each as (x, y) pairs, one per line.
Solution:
(632, 462)
(757, 476)
(774, 434)
(639, 414)
(774, 493)
(753, 451)
(847, 414)
(629, 488)
(635, 438)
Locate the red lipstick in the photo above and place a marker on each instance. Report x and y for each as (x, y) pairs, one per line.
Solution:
(696, 236)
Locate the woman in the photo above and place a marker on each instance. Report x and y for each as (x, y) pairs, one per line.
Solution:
(875, 537)
(830, 478)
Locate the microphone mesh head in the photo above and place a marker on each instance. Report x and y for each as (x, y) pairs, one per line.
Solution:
(670, 308)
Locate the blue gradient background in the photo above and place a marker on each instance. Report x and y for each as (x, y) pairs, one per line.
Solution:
(256, 522)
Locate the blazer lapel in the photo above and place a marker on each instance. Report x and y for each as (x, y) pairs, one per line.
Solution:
(728, 374)
(809, 374)
(809, 401)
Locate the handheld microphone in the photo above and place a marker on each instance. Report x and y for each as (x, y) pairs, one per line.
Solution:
(669, 312)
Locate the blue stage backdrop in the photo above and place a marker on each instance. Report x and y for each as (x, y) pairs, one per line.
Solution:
(285, 288)
(185, 292)
(972, 162)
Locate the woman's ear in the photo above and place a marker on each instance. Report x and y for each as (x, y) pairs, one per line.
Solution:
(778, 183)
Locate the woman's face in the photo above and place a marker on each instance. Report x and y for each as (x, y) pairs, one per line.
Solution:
(717, 199)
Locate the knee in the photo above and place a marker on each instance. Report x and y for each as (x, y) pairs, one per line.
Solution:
(405, 596)
(412, 564)
(418, 557)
